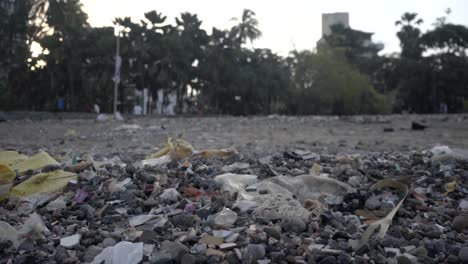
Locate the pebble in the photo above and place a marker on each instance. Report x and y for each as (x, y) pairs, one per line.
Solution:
(373, 202)
(70, 241)
(272, 232)
(211, 240)
(255, 251)
(463, 254)
(460, 222)
(293, 225)
(108, 242)
(328, 260)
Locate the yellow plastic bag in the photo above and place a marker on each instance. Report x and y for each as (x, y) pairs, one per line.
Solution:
(11, 157)
(43, 183)
(35, 162)
(7, 175)
(177, 149)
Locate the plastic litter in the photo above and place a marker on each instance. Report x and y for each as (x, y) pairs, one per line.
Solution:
(177, 149)
(169, 195)
(445, 154)
(32, 228)
(57, 204)
(236, 183)
(122, 253)
(226, 217)
(115, 186)
(43, 183)
(235, 166)
(11, 157)
(80, 196)
(220, 153)
(70, 241)
(35, 162)
(383, 224)
(6, 180)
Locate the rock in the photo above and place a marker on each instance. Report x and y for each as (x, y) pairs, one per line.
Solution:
(161, 257)
(27, 245)
(70, 241)
(255, 252)
(403, 260)
(419, 251)
(211, 240)
(272, 232)
(460, 222)
(463, 254)
(198, 249)
(108, 242)
(183, 221)
(60, 254)
(328, 260)
(188, 259)
(291, 224)
(453, 259)
(418, 126)
(91, 252)
(226, 246)
(232, 238)
(176, 249)
(214, 252)
(373, 202)
(231, 258)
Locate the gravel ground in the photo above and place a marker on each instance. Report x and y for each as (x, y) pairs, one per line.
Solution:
(252, 136)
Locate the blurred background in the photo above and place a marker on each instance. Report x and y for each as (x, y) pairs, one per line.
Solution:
(234, 58)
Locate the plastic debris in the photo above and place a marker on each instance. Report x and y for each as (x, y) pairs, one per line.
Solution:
(235, 166)
(177, 149)
(43, 183)
(170, 195)
(57, 204)
(35, 162)
(226, 217)
(122, 253)
(80, 196)
(383, 224)
(220, 153)
(236, 183)
(70, 241)
(7, 175)
(11, 157)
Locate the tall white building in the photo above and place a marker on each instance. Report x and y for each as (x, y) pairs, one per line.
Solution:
(330, 19)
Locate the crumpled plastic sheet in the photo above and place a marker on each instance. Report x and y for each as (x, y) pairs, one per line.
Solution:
(444, 154)
(11, 157)
(43, 183)
(32, 228)
(226, 217)
(278, 193)
(122, 253)
(35, 162)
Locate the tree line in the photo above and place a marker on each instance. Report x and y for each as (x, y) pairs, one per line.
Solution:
(221, 72)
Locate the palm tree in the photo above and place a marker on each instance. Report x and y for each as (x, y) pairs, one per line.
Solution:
(247, 29)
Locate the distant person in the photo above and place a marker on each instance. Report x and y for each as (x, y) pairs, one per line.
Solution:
(61, 104)
(97, 109)
(137, 110)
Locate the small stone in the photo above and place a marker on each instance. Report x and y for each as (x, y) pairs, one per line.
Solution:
(108, 242)
(198, 249)
(294, 225)
(328, 260)
(272, 232)
(403, 260)
(373, 202)
(225, 246)
(176, 249)
(214, 252)
(419, 251)
(232, 238)
(231, 258)
(27, 245)
(453, 259)
(91, 252)
(70, 241)
(460, 222)
(463, 254)
(61, 254)
(211, 240)
(255, 251)
(188, 259)
(161, 257)
(183, 221)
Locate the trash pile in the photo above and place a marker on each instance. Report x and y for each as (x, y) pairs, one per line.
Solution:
(180, 205)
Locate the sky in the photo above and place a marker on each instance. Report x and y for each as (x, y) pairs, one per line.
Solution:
(287, 25)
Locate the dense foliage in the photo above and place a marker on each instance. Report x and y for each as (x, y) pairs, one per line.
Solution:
(220, 71)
